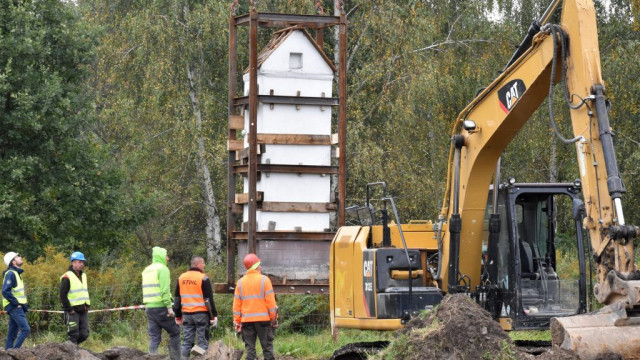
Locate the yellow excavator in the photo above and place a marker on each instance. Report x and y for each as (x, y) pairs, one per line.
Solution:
(497, 241)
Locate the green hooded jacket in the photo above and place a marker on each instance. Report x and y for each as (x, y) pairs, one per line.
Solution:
(159, 256)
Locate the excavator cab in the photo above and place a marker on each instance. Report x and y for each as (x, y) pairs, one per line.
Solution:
(521, 264)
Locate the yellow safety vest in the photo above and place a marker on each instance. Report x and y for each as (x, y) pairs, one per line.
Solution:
(78, 291)
(17, 291)
(151, 284)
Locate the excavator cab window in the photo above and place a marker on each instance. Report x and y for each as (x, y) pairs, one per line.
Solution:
(526, 263)
(540, 220)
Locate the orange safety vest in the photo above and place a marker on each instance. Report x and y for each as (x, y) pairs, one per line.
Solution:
(191, 296)
(254, 299)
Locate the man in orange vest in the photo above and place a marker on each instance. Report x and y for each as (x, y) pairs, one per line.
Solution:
(192, 294)
(255, 310)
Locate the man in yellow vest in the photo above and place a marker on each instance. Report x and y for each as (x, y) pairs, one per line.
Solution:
(14, 301)
(255, 312)
(194, 307)
(156, 296)
(74, 295)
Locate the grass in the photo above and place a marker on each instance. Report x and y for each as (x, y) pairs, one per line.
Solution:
(539, 335)
(319, 345)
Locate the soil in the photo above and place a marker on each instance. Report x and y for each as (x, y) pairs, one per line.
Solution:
(69, 351)
(460, 329)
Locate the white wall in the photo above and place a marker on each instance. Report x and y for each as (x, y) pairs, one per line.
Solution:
(313, 78)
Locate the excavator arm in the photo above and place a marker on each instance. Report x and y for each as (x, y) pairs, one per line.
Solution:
(566, 53)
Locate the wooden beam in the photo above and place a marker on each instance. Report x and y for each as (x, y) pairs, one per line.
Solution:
(236, 122)
(335, 139)
(244, 153)
(277, 168)
(244, 198)
(294, 139)
(297, 207)
(235, 145)
(286, 235)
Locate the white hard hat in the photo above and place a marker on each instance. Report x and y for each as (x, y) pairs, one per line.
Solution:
(8, 257)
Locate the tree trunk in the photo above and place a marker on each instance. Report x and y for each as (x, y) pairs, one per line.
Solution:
(212, 229)
(213, 241)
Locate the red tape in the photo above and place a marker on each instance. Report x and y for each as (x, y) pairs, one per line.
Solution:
(133, 307)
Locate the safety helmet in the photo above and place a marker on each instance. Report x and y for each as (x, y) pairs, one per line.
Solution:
(250, 260)
(8, 257)
(77, 255)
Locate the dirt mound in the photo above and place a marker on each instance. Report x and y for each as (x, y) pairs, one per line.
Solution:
(459, 329)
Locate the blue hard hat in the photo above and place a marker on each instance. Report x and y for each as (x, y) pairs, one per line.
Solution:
(77, 255)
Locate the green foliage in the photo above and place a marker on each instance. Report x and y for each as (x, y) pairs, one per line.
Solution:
(303, 313)
(57, 185)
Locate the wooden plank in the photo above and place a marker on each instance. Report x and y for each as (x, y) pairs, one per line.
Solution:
(297, 207)
(244, 153)
(335, 139)
(294, 139)
(235, 145)
(286, 235)
(277, 168)
(236, 122)
(244, 198)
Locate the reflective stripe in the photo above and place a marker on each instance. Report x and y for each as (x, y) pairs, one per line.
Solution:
(192, 296)
(150, 285)
(77, 291)
(82, 298)
(273, 310)
(151, 295)
(252, 297)
(264, 278)
(237, 296)
(254, 315)
(268, 292)
(240, 288)
(237, 313)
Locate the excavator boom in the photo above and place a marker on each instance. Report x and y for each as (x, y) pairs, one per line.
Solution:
(380, 275)
(566, 53)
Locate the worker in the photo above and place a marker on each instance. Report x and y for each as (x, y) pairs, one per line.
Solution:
(14, 301)
(194, 307)
(254, 309)
(74, 296)
(156, 296)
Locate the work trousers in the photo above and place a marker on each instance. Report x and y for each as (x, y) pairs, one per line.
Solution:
(77, 326)
(158, 320)
(195, 328)
(18, 328)
(263, 331)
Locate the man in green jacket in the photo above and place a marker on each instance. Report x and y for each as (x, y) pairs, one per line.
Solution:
(156, 296)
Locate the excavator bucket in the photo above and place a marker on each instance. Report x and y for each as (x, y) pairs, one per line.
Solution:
(610, 330)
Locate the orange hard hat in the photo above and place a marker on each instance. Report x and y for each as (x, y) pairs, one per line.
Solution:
(250, 260)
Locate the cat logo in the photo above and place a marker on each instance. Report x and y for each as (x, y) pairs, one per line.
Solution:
(367, 268)
(510, 93)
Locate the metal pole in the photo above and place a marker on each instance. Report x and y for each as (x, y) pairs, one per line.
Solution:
(342, 115)
(253, 128)
(231, 175)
